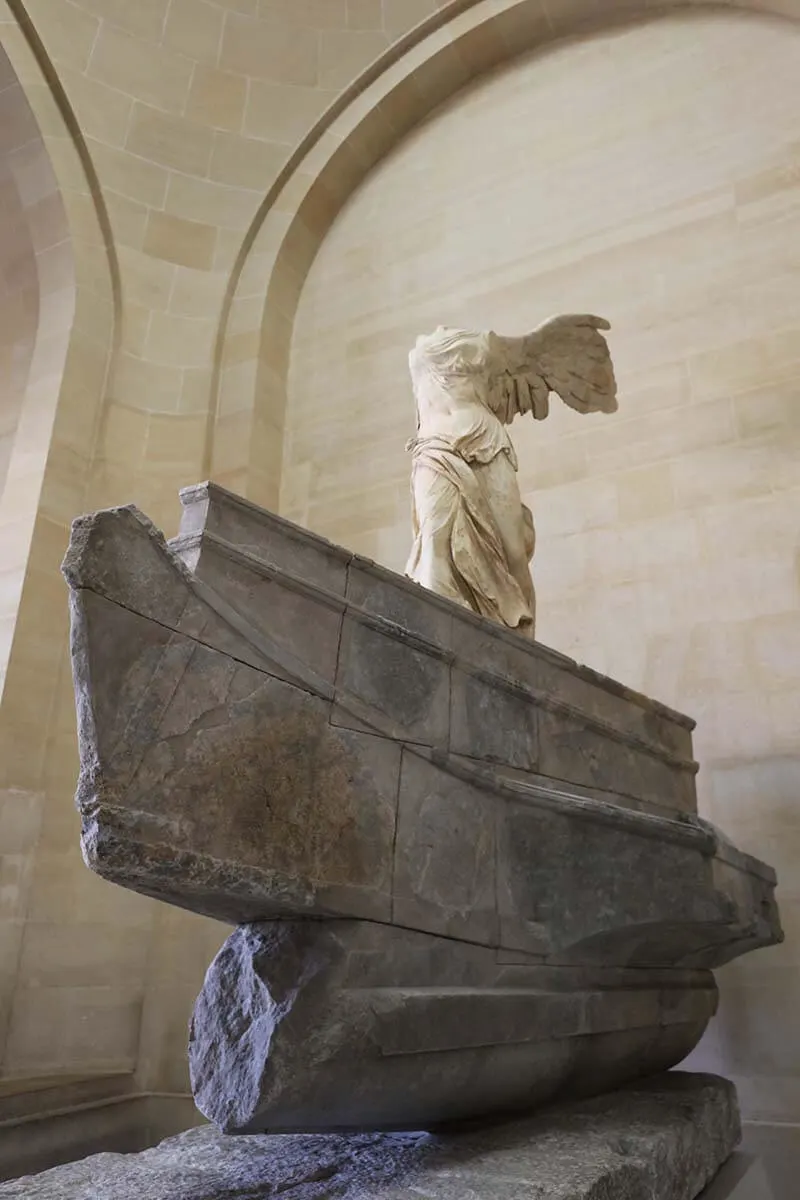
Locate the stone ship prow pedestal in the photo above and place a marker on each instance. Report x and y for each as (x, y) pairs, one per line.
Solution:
(467, 874)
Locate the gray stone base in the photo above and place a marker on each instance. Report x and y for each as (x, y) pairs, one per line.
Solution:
(662, 1139)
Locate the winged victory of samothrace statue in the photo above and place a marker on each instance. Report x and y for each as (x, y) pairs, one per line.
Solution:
(473, 536)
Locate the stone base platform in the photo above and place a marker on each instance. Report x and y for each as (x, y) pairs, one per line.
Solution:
(664, 1138)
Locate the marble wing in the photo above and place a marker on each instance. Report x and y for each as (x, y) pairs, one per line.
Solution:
(567, 355)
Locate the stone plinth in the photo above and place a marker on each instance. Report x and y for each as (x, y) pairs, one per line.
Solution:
(663, 1139)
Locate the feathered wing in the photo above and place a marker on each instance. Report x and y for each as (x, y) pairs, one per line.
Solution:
(567, 355)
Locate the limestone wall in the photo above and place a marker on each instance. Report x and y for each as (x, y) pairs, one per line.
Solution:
(650, 174)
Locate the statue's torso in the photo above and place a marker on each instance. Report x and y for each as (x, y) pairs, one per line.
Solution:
(460, 416)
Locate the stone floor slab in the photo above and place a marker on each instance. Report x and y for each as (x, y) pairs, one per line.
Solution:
(662, 1139)
(742, 1178)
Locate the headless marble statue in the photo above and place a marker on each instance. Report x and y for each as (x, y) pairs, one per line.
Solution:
(473, 536)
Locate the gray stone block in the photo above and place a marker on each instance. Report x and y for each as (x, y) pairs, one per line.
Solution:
(387, 681)
(381, 593)
(486, 883)
(575, 750)
(445, 876)
(213, 511)
(494, 721)
(588, 706)
(286, 1035)
(557, 677)
(601, 915)
(282, 611)
(230, 793)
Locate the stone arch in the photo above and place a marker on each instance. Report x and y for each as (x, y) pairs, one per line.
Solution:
(67, 336)
(429, 65)
(65, 341)
(37, 309)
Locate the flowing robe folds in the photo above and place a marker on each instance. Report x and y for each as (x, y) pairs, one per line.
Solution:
(473, 536)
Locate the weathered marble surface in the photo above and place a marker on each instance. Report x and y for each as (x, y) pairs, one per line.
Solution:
(473, 536)
(454, 830)
(663, 1139)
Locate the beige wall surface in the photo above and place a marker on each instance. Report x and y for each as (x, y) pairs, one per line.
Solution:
(651, 174)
